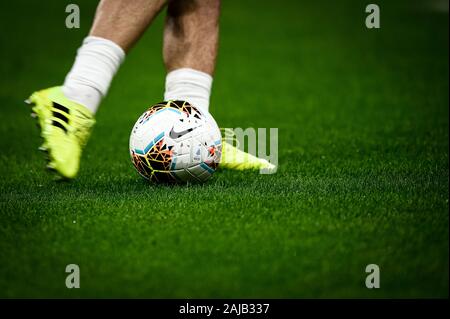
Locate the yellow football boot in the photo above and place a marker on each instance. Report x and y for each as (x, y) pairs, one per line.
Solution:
(235, 159)
(65, 127)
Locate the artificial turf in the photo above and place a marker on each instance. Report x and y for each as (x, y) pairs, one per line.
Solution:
(363, 161)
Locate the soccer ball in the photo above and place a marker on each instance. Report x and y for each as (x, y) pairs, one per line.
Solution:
(173, 141)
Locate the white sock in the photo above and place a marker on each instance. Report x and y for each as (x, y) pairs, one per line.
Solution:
(96, 63)
(189, 85)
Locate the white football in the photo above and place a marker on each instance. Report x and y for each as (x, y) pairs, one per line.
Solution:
(173, 141)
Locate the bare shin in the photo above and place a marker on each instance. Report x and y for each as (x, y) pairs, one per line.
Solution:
(191, 35)
(124, 21)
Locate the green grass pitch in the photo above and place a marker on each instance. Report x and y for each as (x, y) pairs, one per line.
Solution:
(363, 161)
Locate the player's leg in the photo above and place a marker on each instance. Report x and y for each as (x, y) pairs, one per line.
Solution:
(117, 26)
(66, 114)
(191, 37)
(124, 21)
